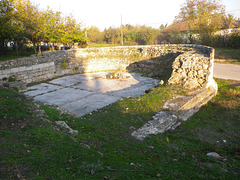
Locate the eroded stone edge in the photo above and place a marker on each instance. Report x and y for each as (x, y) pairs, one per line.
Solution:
(166, 120)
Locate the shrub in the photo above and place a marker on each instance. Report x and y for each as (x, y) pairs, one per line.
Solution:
(234, 40)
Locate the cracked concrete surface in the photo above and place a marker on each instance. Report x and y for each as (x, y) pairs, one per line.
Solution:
(83, 93)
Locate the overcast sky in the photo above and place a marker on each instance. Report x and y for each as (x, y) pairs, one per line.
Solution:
(106, 13)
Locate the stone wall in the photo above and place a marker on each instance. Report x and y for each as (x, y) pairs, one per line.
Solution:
(188, 65)
(194, 68)
(34, 68)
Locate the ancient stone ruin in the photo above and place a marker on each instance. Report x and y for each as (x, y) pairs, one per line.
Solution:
(190, 66)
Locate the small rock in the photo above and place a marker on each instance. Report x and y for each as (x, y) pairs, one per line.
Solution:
(183, 154)
(39, 112)
(63, 125)
(132, 164)
(224, 170)
(46, 120)
(150, 147)
(132, 128)
(85, 145)
(175, 160)
(214, 155)
(224, 141)
(101, 154)
(161, 82)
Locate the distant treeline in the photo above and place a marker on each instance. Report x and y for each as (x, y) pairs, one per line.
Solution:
(26, 27)
(132, 35)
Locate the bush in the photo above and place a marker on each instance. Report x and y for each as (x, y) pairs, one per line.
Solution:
(218, 41)
(234, 40)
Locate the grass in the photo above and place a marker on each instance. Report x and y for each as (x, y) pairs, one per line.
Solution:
(102, 45)
(10, 57)
(31, 149)
(227, 54)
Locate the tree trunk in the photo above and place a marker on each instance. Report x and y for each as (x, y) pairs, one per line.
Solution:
(34, 47)
(16, 46)
(59, 48)
(39, 49)
(53, 47)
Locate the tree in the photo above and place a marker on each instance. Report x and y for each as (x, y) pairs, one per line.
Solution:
(32, 20)
(71, 32)
(227, 22)
(6, 22)
(94, 35)
(50, 29)
(112, 35)
(204, 16)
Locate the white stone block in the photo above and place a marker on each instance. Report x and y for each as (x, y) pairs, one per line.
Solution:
(29, 68)
(22, 68)
(6, 71)
(34, 67)
(41, 66)
(14, 70)
(28, 80)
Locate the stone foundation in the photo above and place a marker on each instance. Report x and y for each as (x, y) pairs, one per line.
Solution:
(188, 65)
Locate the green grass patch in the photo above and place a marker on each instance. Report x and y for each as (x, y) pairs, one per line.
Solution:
(102, 45)
(10, 57)
(38, 152)
(230, 55)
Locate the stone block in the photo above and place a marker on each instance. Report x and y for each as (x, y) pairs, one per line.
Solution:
(22, 68)
(13, 70)
(6, 71)
(29, 68)
(41, 65)
(19, 85)
(28, 81)
(36, 66)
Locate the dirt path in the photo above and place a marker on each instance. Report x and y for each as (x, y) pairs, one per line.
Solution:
(226, 71)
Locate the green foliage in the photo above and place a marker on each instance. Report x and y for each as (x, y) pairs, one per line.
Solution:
(204, 17)
(133, 35)
(233, 40)
(16, 89)
(64, 65)
(11, 79)
(4, 79)
(22, 22)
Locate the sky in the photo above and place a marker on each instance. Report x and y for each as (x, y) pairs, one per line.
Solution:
(106, 13)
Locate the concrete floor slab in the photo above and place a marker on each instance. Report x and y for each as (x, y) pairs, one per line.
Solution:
(90, 103)
(133, 91)
(62, 96)
(41, 89)
(84, 93)
(106, 85)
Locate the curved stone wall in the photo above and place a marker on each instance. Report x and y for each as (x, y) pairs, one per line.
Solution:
(188, 65)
